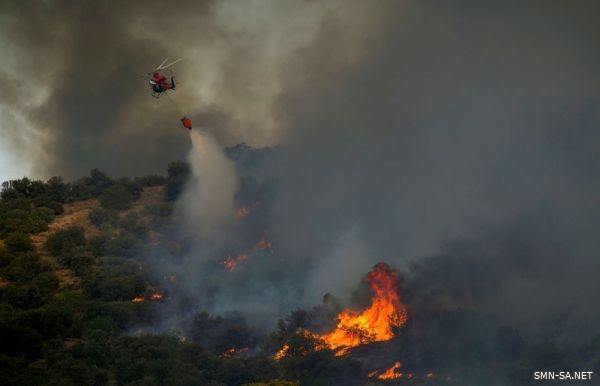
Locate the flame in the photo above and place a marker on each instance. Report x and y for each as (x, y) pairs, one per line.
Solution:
(230, 352)
(282, 353)
(264, 244)
(154, 296)
(391, 373)
(376, 322)
(231, 262)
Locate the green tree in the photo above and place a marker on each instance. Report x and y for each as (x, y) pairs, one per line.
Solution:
(116, 197)
(65, 240)
(178, 174)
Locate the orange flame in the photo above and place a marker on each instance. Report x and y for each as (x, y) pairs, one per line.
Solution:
(231, 262)
(138, 299)
(282, 353)
(264, 244)
(230, 352)
(156, 296)
(391, 373)
(376, 322)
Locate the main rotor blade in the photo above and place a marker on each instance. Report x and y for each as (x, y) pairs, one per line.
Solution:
(163, 62)
(162, 66)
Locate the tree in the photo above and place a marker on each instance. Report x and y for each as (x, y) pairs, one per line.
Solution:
(18, 242)
(179, 172)
(65, 240)
(117, 197)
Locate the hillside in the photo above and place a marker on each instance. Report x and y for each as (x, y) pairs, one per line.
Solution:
(76, 214)
(102, 283)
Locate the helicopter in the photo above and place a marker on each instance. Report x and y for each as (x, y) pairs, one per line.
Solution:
(159, 82)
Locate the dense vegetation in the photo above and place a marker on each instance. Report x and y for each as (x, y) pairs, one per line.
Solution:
(69, 315)
(78, 331)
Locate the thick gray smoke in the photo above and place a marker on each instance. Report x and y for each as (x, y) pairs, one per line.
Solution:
(465, 131)
(76, 97)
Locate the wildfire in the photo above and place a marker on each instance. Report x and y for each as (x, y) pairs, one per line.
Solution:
(231, 262)
(155, 297)
(264, 244)
(230, 352)
(391, 373)
(282, 353)
(376, 322)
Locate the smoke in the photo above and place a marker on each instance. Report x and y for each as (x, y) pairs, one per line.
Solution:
(430, 130)
(207, 202)
(73, 77)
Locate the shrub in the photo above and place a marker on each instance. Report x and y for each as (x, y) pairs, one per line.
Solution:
(151, 180)
(18, 242)
(97, 182)
(79, 259)
(25, 267)
(132, 223)
(101, 216)
(25, 220)
(125, 245)
(179, 173)
(98, 244)
(115, 279)
(160, 213)
(48, 202)
(65, 240)
(117, 197)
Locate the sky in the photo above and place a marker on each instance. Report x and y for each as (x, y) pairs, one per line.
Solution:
(413, 130)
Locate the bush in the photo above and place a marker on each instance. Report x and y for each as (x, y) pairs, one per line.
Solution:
(101, 216)
(18, 242)
(57, 190)
(160, 213)
(151, 180)
(132, 224)
(179, 173)
(21, 188)
(26, 220)
(98, 244)
(47, 202)
(115, 279)
(117, 197)
(124, 245)
(65, 240)
(25, 267)
(97, 182)
(79, 259)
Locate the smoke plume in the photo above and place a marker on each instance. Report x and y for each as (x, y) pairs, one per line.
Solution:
(207, 203)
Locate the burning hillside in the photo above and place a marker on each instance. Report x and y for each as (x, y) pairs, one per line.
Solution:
(374, 324)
